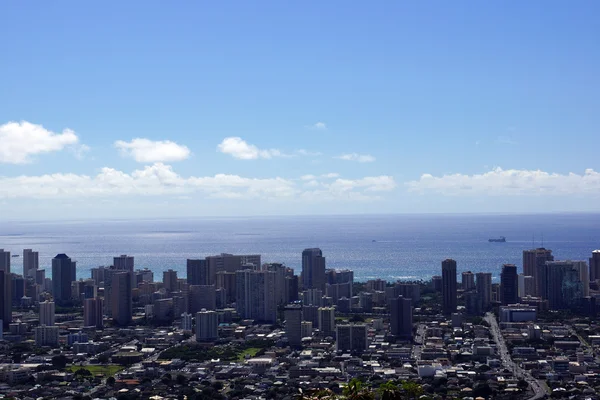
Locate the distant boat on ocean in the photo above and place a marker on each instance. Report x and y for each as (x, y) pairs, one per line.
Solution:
(15, 255)
(501, 239)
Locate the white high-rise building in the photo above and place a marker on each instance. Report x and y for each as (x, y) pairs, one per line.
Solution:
(47, 310)
(207, 325)
(255, 295)
(186, 322)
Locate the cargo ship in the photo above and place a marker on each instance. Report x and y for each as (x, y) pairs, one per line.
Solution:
(501, 239)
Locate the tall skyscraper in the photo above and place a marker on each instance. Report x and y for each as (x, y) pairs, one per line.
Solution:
(509, 284)
(6, 286)
(30, 263)
(532, 261)
(595, 266)
(293, 324)
(526, 286)
(47, 310)
(197, 272)
(449, 291)
(124, 263)
(468, 281)
(401, 317)
(121, 297)
(313, 269)
(483, 286)
(63, 273)
(584, 276)
(561, 284)
(255, 295)
(327, 320)
(280, 272)
(352, 337)
(93, 313)
(207, 325)
(170, 280)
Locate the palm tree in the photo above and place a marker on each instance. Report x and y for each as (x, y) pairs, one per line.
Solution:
(356, 390)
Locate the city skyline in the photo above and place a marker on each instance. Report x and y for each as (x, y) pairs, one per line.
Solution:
(392, 108)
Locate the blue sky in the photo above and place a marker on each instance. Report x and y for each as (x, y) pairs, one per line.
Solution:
(251, 108)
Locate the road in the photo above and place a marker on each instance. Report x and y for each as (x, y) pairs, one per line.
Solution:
(419, 340)
(539, 389)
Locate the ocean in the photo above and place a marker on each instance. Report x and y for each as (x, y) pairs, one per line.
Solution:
(391, 247)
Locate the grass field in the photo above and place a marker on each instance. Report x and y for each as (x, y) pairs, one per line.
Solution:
(251, 351)
(106, 370)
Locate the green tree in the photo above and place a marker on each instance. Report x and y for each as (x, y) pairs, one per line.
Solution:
(389, 391)
(412, 389)
(110, 381)
(356, 390)
(59, 362)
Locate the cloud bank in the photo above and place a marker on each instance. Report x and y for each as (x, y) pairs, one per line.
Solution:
(511, 182)
(362, 158)
(160, 179)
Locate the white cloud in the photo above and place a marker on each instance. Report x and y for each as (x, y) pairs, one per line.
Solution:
(19, 141)
(511, 182)
(150, 151)
(239, 148)
(362, 158)
(160, 179)
(320, 126)
(304, 152)
(310, 177)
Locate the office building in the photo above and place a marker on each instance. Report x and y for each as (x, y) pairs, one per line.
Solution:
(561, 285)
(47, 310)
(376, 285)
(595, 266)
(46, 336)
(291, 288)
(280, 272)
(6, 286)
(255, 295)
(202, 297)
(226, 280)
(186, 322)
(468, 281)
(30, 263)
(533, 260)
(306, 329)
(509, 284)
(143, 275)
(365, 301)
(230, 263)
(121, 297)
(123, 263)
(526, 286)
(311, 313)
(584, 276)
(293, 324)
(40, 277)
(449, 290)
(163, 310)
(401, 317)
(93, 313)
(18, 289)
(483, 286)
(170, 280)
(312, 297)
(198, 273)
(313, 269)
(207, 325)
(326, 317)
(63, 273)
(352, 337)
